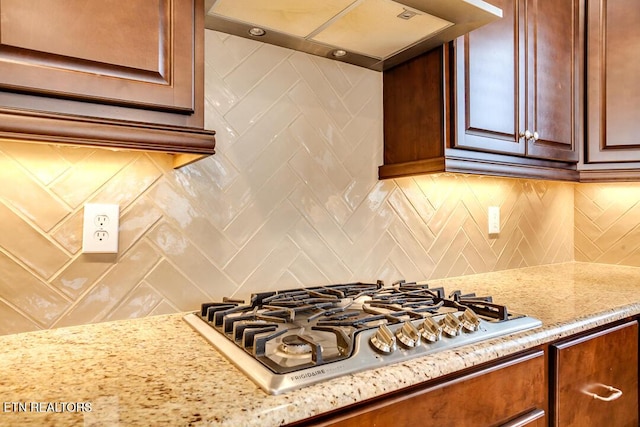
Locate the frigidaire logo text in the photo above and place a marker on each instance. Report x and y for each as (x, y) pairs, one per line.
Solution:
(307, 375)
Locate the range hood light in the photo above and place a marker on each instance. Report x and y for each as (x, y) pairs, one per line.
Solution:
(257, 32)
(339, 53)
(407, 14)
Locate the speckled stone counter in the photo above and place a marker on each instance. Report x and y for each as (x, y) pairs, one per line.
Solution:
(158, 371)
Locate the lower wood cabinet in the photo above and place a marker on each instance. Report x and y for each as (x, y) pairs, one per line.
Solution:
(594, 379)
(510, 393)
(590, 379)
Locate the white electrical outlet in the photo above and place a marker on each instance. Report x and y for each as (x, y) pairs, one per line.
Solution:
(494, 219)
(100, 228)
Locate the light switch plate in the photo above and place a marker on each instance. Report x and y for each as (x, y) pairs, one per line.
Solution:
(494, 219)
(100, 228)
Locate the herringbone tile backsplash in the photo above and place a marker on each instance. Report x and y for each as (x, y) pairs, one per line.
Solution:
(290, 199)
(607, 223)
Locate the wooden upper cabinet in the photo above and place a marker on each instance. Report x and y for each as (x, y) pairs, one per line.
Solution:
(109, 51)
(505, 99)
(518, 81)
(133, 70)
(613, 66)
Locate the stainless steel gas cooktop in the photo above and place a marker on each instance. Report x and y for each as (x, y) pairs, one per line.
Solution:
(289, 339)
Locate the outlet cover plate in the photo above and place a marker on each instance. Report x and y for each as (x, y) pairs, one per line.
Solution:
(100, 228)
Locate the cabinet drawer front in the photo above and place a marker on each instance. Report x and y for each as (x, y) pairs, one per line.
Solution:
(584, 369)
(493, 396)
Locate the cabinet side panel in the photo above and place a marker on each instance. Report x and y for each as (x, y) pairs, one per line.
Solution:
(413, 109)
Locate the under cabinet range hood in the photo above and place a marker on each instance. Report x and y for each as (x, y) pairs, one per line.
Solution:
(376, 34)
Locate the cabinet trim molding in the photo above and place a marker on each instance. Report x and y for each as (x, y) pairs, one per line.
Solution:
(473, 162)
(612, 175)
(47, 128)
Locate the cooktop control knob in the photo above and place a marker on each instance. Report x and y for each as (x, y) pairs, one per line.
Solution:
(430, 330)
(408, 334)
(451, 325)
(470, 321)
(383, 340)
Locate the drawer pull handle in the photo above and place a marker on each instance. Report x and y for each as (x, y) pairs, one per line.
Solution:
(615, 394)
(526, 419)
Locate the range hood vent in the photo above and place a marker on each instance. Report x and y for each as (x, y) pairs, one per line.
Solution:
(376, 34)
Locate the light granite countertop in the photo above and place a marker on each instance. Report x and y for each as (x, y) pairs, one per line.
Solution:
(158, 371)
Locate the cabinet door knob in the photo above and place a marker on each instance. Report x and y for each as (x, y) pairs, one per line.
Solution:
(615, 393)
(527, 135)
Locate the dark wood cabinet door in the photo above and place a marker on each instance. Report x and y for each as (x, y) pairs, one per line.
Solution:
(554, 96)
(588, 366)
(129, 60)
(613, 90)
(508, 393)
(519, 76)
(490, 101)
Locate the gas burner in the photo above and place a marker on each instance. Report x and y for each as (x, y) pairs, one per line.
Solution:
(295, 345)
(288, 339)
